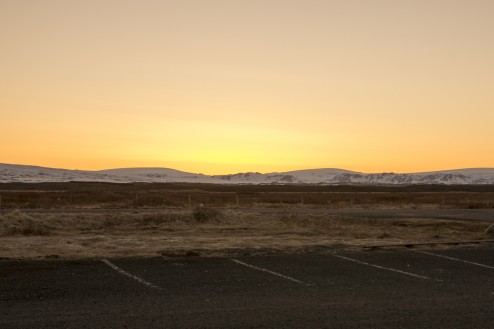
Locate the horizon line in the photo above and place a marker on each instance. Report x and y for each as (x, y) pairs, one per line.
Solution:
(245, 172)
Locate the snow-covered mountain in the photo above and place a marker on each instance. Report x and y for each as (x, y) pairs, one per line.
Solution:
(152, 175)
(33, 174)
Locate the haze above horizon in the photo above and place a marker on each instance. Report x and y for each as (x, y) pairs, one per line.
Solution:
(223, 86)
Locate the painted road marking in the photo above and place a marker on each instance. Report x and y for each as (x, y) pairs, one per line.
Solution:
(138, 279)
(384, 268)
(268, 271)
(455, 259)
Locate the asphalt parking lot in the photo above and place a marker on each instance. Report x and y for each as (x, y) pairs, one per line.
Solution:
(406, 288)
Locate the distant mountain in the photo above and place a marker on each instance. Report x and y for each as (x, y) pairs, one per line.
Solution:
(151, 174)
(33, 174)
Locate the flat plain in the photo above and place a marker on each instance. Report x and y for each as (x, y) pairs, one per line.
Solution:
(87, 220)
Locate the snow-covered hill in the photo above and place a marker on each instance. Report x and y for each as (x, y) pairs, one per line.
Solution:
(33, 174)
(153, 175)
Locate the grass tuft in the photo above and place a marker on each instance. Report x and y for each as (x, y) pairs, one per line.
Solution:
(19, 223)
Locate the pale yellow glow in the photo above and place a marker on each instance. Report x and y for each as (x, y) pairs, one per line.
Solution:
(261, 85)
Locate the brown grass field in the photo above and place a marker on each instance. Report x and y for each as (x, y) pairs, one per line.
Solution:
(182, 219)
(182, 195)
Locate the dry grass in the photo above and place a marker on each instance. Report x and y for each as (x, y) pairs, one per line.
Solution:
(205, 230)
(490, 230)
(102, 195)
(19, 223)
(398, 229)
(204, 215)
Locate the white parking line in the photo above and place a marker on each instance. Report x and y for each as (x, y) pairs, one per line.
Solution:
(455, 259)
(384, 268)
(268, 271)
(138, 279)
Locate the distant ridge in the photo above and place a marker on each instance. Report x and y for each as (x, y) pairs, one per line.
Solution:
(327, 176)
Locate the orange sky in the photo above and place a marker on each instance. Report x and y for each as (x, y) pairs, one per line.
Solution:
(260, 85)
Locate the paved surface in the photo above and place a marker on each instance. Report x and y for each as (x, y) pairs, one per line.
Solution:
(455, 214)
(377, 289)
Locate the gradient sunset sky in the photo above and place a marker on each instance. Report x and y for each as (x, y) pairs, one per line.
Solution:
(256, 85)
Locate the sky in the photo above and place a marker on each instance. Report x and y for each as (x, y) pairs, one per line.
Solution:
(225, 86)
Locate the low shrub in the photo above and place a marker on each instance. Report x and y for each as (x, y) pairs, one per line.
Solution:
(203, 214)
(165, 217)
